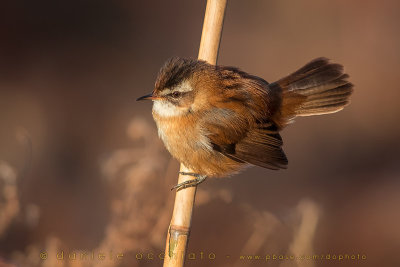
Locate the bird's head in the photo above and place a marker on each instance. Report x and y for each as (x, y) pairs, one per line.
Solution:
(176, 91)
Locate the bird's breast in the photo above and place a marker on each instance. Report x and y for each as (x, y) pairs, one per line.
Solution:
(182, 135)
(188, 142)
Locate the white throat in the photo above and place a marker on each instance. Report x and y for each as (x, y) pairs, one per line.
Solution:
(166, 109)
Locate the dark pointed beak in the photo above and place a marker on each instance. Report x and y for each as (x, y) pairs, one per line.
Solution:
(146, 97)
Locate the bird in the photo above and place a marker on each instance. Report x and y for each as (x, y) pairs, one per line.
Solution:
(217, 120)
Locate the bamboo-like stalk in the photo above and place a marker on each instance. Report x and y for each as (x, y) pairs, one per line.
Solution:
(179, 228)
(212, 30)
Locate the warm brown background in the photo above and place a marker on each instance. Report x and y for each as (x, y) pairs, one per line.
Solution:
(98, 179)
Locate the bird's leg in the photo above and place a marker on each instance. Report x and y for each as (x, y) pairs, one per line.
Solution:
(195, 182)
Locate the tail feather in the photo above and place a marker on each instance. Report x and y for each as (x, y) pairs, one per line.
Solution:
(317, 88)
(332, 85)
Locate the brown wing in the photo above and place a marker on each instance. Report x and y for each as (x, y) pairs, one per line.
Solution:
(238, 125)
(262, 146)
(244, 140)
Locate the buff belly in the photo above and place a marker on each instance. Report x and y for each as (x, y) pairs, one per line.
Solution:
(191, 146)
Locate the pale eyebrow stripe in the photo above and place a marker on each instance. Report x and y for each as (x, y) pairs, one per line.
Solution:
(183, 87)
(165, 92)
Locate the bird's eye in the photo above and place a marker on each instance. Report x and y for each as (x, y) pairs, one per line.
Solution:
(176, 94)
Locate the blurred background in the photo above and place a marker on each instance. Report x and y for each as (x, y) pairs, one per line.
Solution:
(82, 169)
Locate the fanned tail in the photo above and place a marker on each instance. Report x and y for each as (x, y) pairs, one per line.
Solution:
(320, 87)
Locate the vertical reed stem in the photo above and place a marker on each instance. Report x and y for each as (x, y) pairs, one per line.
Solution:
(179, 228)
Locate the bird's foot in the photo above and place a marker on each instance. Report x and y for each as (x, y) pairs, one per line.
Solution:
(190, 183)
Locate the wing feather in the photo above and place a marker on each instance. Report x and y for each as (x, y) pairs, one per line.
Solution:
(239, 125)
(257, 143)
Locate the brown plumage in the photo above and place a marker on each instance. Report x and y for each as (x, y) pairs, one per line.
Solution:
(216, 119)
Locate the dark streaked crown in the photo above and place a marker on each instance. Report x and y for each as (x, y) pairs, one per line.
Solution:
(176, 70)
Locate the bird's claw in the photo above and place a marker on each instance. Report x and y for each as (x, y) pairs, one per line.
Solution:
(190, 183)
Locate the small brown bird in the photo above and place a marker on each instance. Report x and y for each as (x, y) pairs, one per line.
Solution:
(216, 119)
